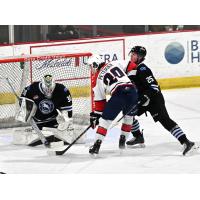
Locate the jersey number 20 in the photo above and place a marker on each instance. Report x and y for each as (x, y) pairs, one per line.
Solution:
(111, 77)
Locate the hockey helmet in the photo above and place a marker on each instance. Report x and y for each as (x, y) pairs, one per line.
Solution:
(141, 51)
(48, 85)
(95, 61)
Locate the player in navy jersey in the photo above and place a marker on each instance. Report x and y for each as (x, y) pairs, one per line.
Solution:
(48, 97)
(151, 99)
(111, 79)
(54, 107)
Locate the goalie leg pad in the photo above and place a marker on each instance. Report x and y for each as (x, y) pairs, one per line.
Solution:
(56, 144)
(24, 137)
(77, 132)
(27, 136)
(65, 135)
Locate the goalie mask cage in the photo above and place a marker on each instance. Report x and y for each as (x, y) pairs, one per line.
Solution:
(69, 69)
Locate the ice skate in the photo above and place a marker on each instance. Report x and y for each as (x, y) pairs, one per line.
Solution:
(95, 148)
(188, 147)
(136, 142)
(122, 141)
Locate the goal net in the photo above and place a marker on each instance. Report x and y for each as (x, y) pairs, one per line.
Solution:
(69, 69)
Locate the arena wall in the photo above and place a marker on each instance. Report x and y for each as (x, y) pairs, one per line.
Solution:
(173, 57)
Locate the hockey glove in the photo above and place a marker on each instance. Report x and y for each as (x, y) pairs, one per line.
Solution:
(144, 100)
(64, 123)
(94, 119)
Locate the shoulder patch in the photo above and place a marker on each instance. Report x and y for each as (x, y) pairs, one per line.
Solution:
(65, 89)
(143, 68)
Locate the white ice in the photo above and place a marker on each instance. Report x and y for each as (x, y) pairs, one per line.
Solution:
(163, 153)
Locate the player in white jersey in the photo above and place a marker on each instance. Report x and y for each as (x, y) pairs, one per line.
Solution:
(112, 79)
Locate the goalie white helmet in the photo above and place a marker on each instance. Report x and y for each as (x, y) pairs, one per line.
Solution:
(48, 85)
(95, 62)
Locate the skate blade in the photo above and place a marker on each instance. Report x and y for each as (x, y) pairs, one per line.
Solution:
(193, 151)
(94, 155)
(121, 151)
(136, 146)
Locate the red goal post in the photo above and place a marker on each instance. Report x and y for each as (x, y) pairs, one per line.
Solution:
(69, 69)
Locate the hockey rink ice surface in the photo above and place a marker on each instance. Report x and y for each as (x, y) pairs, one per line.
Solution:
(162, 154)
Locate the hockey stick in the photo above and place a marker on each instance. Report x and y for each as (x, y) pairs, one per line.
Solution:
(132, 108)
(61, 152)
(32, 121)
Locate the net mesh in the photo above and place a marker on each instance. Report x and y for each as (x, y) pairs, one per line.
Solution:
(70, 70)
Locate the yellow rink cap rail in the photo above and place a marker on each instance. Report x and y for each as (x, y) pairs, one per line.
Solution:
(181, 82)
(76, 92)
(7, 98)
(85, 91)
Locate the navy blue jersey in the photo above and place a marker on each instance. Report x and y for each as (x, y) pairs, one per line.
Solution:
(145, 81)
(46, 107)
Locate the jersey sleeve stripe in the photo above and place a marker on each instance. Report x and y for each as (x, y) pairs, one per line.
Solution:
(68, 108)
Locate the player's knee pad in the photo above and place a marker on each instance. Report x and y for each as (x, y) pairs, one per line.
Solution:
(128, 120)
(104, 123)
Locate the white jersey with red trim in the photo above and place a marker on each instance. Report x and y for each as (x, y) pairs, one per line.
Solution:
(112, 75)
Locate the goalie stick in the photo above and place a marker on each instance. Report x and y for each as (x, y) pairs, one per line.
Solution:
(32, 121)
(61, 152)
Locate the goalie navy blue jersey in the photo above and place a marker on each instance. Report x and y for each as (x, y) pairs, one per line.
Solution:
(46, 107)
(145, 81)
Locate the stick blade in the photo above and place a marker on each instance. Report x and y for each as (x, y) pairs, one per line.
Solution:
(57, 151)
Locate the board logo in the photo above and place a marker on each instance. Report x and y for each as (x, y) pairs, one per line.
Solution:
(174, 53)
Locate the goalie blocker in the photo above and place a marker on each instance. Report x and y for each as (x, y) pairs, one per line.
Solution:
(26, 111)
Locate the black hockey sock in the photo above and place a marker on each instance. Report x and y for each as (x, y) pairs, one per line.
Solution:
(182, 139)
(137, 133)
(178, 134)
(135, 130)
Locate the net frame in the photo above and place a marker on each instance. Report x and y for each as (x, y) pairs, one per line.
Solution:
(31, 58)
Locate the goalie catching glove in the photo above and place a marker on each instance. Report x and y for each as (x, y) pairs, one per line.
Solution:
(65, 127)
(64, 123)
(94, 119)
